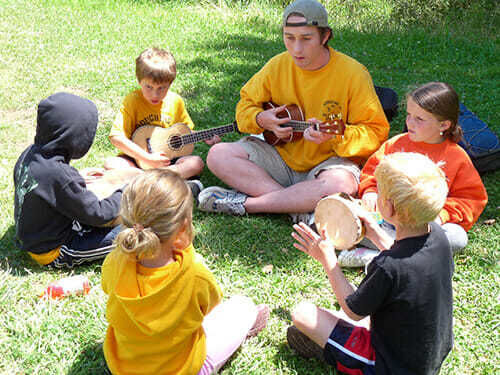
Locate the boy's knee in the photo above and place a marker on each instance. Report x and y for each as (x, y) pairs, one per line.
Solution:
(215, 153)
(220, 152)
(198, 163)
(338, 180)
(302, 313)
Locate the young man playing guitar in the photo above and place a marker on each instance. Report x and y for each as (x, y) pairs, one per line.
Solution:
(327, 86)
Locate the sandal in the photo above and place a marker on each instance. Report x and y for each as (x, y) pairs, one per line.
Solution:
(260, 321)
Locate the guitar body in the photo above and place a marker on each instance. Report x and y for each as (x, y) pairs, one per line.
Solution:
(293, 112)
(165, 140)
(334, 126)
(175, 141)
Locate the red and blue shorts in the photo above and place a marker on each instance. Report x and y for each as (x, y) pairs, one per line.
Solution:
(349, 348)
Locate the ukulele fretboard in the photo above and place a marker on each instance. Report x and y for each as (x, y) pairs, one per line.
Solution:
(299, 126)
(206, 134)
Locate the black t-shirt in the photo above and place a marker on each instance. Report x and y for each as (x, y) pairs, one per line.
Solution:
(408, 294)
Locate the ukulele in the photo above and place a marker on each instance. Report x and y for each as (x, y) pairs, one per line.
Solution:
(175, 141)
(335, 125)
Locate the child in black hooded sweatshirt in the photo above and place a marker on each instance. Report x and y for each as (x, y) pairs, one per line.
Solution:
(57, 218)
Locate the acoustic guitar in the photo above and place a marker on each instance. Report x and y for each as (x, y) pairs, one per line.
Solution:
(175, 141)
(335, 125)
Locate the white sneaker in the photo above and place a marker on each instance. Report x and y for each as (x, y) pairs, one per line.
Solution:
(305, 217)
(359, 257)
(196, 186)
(217, 199)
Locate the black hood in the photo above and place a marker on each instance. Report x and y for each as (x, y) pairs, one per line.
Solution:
(66, 126)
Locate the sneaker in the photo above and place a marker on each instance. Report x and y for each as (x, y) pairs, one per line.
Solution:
(305, 217)
(260, 321)
(303, 345)
(217, 199)
(196, 187)
(359, 257)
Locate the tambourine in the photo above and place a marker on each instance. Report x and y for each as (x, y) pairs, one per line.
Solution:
(338, 214)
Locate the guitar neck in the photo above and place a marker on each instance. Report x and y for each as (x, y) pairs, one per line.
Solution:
(298, 126)
(207, 134)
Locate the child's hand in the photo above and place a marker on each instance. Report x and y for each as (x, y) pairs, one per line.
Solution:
(311, 243)
(215, 139)
(374, 232)
(91, 174)
(369, 201)
(157, 160)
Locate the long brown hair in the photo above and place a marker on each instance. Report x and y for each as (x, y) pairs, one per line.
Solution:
(441, 100)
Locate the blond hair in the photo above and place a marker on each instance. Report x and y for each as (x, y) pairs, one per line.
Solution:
(414, 184)
(154, 207)
(156, 64)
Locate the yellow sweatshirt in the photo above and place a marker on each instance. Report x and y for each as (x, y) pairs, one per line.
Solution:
(342, 86)
(136, 111)
(155, 315)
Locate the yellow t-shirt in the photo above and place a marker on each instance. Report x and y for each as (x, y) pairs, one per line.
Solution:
(342, 86)
(136, 111)
(155, 315)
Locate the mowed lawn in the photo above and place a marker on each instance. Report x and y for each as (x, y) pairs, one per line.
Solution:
(89, 48)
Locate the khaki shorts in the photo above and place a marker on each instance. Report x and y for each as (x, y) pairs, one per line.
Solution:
(265, 156)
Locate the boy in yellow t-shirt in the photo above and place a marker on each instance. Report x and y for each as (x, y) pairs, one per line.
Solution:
(153, 104)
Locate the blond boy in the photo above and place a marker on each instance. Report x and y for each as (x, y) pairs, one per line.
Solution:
(153, 104)
(407, 291)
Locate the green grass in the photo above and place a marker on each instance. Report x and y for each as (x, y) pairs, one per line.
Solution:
(89, 48)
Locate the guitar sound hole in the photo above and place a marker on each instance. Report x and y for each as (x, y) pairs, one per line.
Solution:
(175, 142)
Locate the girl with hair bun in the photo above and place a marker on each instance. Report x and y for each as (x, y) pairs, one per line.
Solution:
(164, 310)
(433, 130)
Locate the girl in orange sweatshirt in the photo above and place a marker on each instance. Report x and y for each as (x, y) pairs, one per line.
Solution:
(164, 310)
(433, 130)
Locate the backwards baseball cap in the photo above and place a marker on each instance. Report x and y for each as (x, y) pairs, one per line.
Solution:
(313, 11)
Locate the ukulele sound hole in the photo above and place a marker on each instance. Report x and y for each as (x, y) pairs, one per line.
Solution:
(175, 142)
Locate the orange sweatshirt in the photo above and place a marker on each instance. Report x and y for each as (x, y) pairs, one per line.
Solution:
(467, 196)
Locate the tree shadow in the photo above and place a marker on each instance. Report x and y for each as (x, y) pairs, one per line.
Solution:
(293, 361)
(16, 260)
(90, 360)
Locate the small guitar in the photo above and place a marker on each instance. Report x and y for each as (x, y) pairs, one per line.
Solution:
(175, 141)
(335, 125)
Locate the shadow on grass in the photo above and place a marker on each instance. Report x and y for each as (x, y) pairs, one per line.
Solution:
(283, 314)
(294, 361)
(396, 59)
(400, 60)
(16, 260)
(90, 361)
(253, 240)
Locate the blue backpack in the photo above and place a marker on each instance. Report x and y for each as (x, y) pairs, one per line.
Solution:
(480, 142)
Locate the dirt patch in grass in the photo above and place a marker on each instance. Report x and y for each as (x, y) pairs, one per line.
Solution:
(21, 126)
(106, 113)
